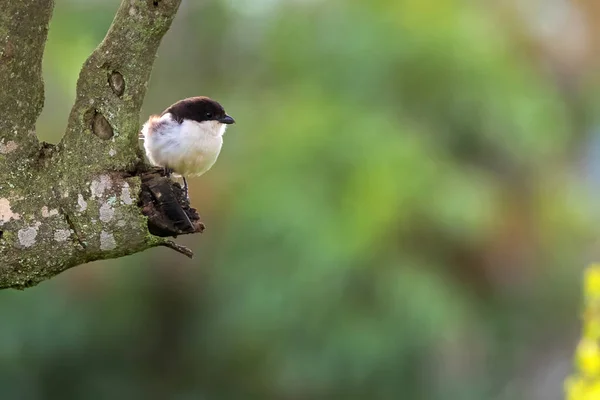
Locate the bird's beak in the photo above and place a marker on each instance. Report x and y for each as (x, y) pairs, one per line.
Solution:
(227, 120)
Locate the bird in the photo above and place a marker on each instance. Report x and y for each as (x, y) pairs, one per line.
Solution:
(186, 138)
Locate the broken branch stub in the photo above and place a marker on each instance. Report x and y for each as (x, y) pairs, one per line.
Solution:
(85, 199)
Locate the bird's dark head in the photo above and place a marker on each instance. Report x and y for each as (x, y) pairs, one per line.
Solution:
(199, 109)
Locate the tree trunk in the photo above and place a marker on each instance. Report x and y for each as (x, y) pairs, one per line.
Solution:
(91, 196)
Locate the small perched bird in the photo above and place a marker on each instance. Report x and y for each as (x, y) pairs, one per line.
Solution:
(186, 138)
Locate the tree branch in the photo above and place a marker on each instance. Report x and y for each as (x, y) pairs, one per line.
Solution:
(112, 85)
(91, 197)
(23, 32)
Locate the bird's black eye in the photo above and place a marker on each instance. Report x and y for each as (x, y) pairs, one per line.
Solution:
(208, 115)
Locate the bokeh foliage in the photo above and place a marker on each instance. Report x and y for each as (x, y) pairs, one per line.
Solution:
(396, 214)
(585, 383)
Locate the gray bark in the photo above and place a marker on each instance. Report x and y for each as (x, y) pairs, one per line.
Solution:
(91, 196)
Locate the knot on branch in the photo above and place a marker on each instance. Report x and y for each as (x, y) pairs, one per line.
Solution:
(101, 127)
(117, 83)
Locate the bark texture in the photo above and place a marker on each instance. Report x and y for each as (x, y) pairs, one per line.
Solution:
(91, 196)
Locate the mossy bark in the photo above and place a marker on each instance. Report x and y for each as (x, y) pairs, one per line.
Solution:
(81, 200)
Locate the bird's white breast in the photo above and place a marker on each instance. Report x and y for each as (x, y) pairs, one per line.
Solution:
(190, 148)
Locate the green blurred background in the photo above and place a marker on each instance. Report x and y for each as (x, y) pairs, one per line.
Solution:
(402, 211)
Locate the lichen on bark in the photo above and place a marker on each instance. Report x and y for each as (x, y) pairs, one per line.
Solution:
(83, 199)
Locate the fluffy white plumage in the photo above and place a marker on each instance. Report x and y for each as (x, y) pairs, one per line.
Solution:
(189, 149)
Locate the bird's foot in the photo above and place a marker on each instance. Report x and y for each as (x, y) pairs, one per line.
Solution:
(168, 171)
(185, 188)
